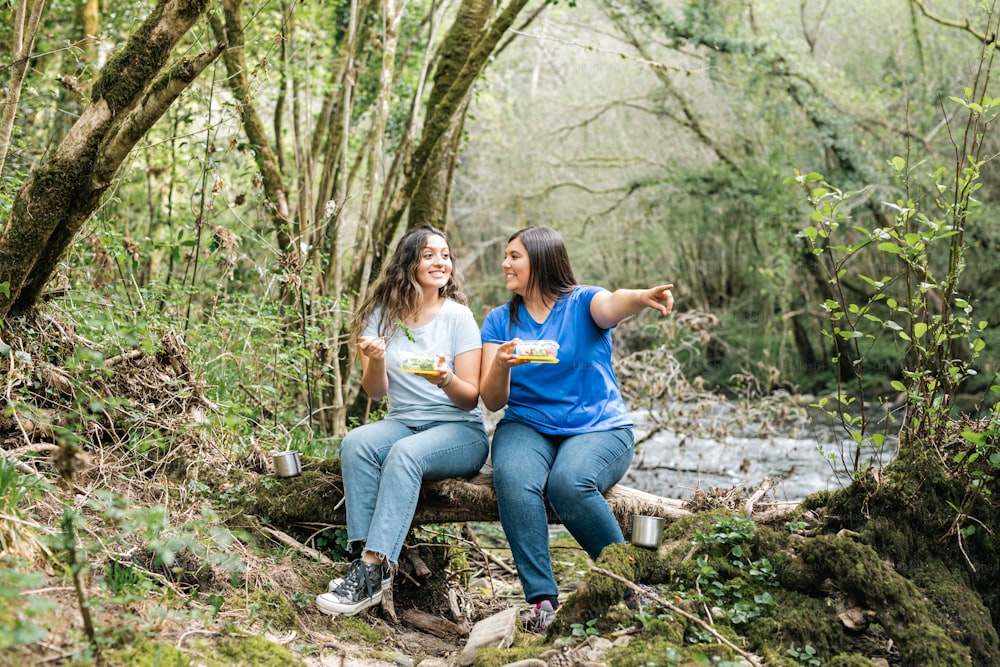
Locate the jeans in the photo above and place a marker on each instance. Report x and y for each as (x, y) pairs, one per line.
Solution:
(573, 473)
(384, 463)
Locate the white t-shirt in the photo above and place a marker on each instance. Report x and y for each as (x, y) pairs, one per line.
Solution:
(412, 399)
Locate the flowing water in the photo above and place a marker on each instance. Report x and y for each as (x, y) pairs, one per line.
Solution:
(801, 458)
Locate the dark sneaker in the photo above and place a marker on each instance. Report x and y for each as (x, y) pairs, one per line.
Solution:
(360, 589)
(542, 618)
(386, 579)
(637, 602)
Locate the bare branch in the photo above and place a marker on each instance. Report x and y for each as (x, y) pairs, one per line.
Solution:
(965, 25)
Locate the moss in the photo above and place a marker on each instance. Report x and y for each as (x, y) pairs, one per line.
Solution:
(192, 9)
(498, 657)
(899, 605)
(598, 592)
(253, 650)
(958, 609)
(256, 651)
(295, 499)
(132, 67)
(670, 627)
(852, 660)
(273, 609)
(797, 621)
(358, 630)
(662, 651)
(152, 654)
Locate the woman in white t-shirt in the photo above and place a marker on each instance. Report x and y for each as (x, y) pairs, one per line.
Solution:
(433, 429)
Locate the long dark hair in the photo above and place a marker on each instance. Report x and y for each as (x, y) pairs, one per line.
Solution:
(551, 273)
(397, 291)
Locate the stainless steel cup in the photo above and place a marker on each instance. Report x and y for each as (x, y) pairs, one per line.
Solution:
(647, 531)
(286, 464)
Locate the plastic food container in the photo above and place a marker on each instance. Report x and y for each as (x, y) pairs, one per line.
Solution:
(419, 363)
(539, 351)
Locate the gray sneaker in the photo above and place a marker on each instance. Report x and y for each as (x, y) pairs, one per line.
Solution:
(386, 578)
(360, 589)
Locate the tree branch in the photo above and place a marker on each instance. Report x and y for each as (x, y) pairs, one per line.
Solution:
(965, 25)
(161, 95)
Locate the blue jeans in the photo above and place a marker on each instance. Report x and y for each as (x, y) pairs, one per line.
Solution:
(573, 473)
(384, 463)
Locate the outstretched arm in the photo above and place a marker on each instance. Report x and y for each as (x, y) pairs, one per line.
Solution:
(610, 308)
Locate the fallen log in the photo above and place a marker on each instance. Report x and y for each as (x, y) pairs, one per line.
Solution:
(317, 496)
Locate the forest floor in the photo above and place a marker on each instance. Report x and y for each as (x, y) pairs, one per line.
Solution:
(125, 543)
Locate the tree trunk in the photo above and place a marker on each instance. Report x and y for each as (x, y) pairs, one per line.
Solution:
(432, 199)
(239, 84)
(129, 97)
(316, 496)
(452, 100)
(23, 42)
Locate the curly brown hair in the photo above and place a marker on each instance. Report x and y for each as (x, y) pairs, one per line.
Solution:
(397, 292)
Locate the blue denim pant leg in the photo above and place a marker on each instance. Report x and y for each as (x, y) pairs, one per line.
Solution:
(573, 473)
(384, 468)
(522, 458)
(362, 452)
(586, 466)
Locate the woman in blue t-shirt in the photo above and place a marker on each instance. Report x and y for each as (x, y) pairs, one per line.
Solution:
(415, 312)
(566, 435)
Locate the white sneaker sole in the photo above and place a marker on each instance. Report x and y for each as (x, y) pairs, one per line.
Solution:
(332, 605)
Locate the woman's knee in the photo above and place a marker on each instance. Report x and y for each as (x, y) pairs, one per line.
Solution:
(350, 449)
(566, 487)
(358, 448)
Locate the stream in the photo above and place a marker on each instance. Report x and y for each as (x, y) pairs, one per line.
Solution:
(799, 457)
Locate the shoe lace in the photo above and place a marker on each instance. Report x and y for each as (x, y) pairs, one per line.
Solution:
(359, 578)
(544, 615)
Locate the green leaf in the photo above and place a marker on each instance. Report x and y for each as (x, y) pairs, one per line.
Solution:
(898, 163)
(5, 288)
(919, 329)
(888, 246)
(977, 439)
(897, 385)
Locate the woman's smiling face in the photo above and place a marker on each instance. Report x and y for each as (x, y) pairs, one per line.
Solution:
(434, 267)
(516, 267)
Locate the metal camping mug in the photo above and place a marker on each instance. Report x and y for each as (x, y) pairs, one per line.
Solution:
(647, 531)
(286, 464)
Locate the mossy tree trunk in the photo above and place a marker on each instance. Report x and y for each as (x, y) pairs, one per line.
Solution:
(432, 198)
(131, 94)
(451, 90)
(346, 158)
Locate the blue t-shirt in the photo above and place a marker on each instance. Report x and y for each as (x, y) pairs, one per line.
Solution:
(412, 399)
(580, 394)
